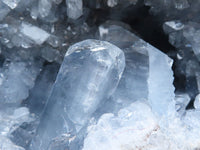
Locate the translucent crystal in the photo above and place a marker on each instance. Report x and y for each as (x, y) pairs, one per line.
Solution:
(36, 34)
(89, 74)
(137, 127)
(191, 33)
(11, 118)
(43, 85)
(22, 34)
(16, 80)
(126, 130)
(186, 40)
(182, 100)
(117, 35)
(192, 120)
(171, 26)
(6, 144)
(51, 54)
(147, 70)
(4, 10)
(74, 8)
(44, 7)
(197, 102)
(181, 4)
(11, 3)
(112, 3)
(161, 80)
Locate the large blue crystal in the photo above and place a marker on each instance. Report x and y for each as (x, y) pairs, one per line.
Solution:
(89, 74)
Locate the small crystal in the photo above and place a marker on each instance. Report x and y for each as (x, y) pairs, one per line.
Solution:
(74, 8)
(44, 7)
(6, 144)
(11, 3)
(197, 102)
(112, 3)
(4, 10)
(181, 4)
(147, 70)
(36, 34)
(182, 100)
(129, 129)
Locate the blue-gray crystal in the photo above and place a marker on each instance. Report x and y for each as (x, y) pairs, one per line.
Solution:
(89, 74)
(147, 70)
(74, 8)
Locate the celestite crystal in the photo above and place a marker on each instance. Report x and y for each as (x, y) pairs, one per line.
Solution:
(129, 129)
(89, 74)
(4, 10)
(74, 8)
(11, 3)
(147, 70)
(114, 95)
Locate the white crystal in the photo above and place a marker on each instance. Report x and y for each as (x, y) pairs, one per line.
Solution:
(88, 76)
(11, 3)
(16, 80)
(36, 34)
(137, 127)
(112, 3)
(174, 25)
(11, 118)
(182, 100)
(191, 33)
(6, 144)
(74, 8)
(4, 10)
(144, 63)
(197, 102)
(181, 4)
(44, 7)
(160, 79)
(50, 54)
(130, 129)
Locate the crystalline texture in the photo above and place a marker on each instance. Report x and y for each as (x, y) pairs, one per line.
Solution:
(12, 118)
(181, 4)
(191, 33)
(45, 7)
(182, 100)
(22, 34)
(4, 10)
(127, 130)
(16, 80)
(89, 74)
(6, 144)
(160, 79)
(133, 84)
(11, 3)
(197, 102)
(74, 8)
(112, 3)
(34, 33)
(147, 70)
(186, 40)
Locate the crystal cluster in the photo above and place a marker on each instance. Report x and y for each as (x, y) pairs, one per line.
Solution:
(85, 74)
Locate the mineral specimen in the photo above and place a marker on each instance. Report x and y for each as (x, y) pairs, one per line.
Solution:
(74, 8)
(96, 96)
(128, 130)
